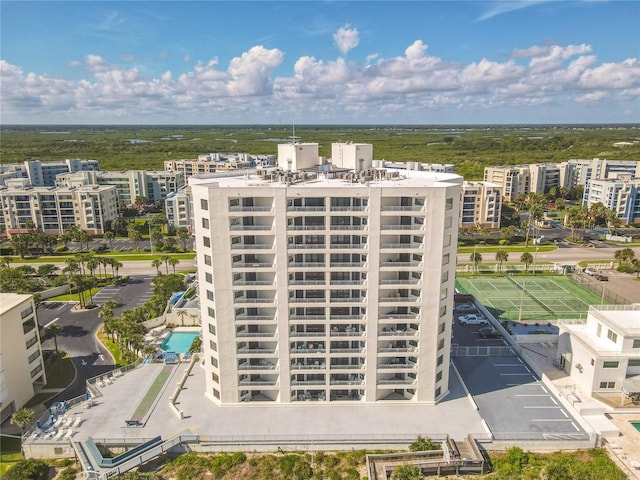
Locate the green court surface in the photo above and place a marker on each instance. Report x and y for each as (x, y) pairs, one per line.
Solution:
(529, 298)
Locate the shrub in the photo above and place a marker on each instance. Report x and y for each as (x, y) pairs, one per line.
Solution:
(28, 470)
(625, 269)
(68, 473)
(61, 248)
(423, 444)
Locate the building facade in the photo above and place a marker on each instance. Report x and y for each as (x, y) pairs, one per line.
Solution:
(324, 287)
(21, 362)
(55, 209)
(621, 194)
(178, 208)
(603, 354)
(481, 204)
(512, 180)
(43, 174)
(211, 163)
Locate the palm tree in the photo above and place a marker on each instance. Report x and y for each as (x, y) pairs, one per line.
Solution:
(109, 236)
(22, 418)
(156, 263)
(165, 259)
(4, 262)
(181, 314)
(184, 235)
(54, 329)
(476, 258)
(502, 256)
(173, 262)
(527, 259)
(625, 255)
(636, 266)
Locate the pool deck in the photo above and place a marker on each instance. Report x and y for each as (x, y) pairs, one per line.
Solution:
(107, 418)
(157, 335)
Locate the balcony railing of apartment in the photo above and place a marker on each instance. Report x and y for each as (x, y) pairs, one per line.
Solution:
(252, 246)
(252, 264)
(305, 246)
(307, 300)
(349, 350)
(257, 350)
(255, 318)
(397, 381)
(348, 300)
(338, 246)
(408, 298)
(306, 227)
(271, 335)
(239, 208)
(415, 226)
(307, 264)
(397, 365)
(398, 316)
(398, 263)
(251, 227)
(254, 300)
(307, 282)
(361, 316)
(360, 281)
(339, 366)
(307, 334)
(406, 281)
(308, 382)
(349, 227)
(292, 208)
(258, 382)
(335, 332)
(398, 333)
(307, 317)
(349, 209)
(409, 208)
(403, 246)
(257, 283)
(397, 349)
(349, 264)
(307, 366)
(306, 350)
(354, 381)
(248, 366)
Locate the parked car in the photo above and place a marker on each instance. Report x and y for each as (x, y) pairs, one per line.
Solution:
(590, 271)
(472, 319)
(601, 277)
(465, 307)
(489, 332)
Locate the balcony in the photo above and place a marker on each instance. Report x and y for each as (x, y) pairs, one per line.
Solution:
(305, 246)
(341, 366)
(339, 246)
(317, 365)
(398, 263)
(360, 281)
(347, 332)
(351, 380)
(403, 246)
(398, 316)
(349, 264)
(255, 318)
(250, 228)
(397, 364)
(409, 332)
(257, 350)
(306, 227)
(308, 382)
(253, 283)
(292, 208)
(398, 349)
(397, 381)
(320, 317)
(266, 335)
(254, 300)
(348, 299)
(252, 265)
(252, 246)
(397, 281)
(263, 365)
(307, 334)
(409, 208)
(349, 227)
(307, 300)
(240, 208)
(307, 282)
(349, 209)
(261, 382)
(398, 298)
(415, 227)
(308, 348)
(307, 264)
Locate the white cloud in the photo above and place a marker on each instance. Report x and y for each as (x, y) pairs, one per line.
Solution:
(346, 38)
(403, 88)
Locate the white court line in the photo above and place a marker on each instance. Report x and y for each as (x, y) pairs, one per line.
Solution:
(52, 322)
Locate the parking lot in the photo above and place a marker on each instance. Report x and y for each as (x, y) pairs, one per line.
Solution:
(510, 397)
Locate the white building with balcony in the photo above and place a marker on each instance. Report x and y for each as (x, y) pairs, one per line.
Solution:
(21, 363)
(326, 286)
(602, 354)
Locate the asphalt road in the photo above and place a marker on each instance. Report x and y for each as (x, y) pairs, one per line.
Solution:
(78, 335)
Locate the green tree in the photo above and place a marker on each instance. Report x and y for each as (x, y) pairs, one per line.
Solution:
(423, 444)
(625, 255)
(157, 263)
(134, 235)
(183, 235)
(54, 329)
(22, 418)
(406, 472)
(527, 259)
(501, 256)
(173, 262)
(30, 469)
(109, 236)
(636, 266)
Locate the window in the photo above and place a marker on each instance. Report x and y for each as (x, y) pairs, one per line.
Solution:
(445, 259)
(443, 293)
(207, 260)
(216, 394)
(26, 312)
(636, 343)
(613, 336)
(634, 362)
(209, 295)
(36, 370)
(447, 240)
(607, 384)
(211, 312)
(439, 376)
(213, 345)
(448, 222)
(599, 330)
(448, 204)
(610, 364)
(208, 277)
(34, 355)
(206, 241)
(215, 377)
(28, 325)
(205, 223)
(438, 391)
(440, 360)
(441, 344)
(204, 204)
(443, 311)
(212, 329)
(442, 327)
(214, 362)
(32, 341)
(444, 277)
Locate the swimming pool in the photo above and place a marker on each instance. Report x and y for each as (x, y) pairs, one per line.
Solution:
(179, 342)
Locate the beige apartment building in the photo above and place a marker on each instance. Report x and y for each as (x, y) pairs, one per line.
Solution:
(21, 362)
(481, 204)
(326, 284)
(55, 209)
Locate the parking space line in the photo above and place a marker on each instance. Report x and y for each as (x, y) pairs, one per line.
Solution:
(527, 369)
(541, 406)
(506, 365)
(574, 426)
(533, 395)
(543, 389)
(564, 413)
(553, 420)
(52, 322)
(512, 374)
(553, 400)
(519, 359)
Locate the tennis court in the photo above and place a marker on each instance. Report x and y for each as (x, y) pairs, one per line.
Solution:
(528, 298)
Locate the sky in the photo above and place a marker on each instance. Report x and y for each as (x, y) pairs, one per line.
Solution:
(309, 62)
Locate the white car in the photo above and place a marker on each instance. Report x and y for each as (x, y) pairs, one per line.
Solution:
(472, 319)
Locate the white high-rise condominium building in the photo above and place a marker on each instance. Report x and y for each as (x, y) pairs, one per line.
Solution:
(326, 286)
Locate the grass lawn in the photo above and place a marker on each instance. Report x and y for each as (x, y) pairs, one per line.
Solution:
(60, 374)
(114, 350)
(507, 248)
(74, 297)
(530, 298)
(37, 399)
(9, 453)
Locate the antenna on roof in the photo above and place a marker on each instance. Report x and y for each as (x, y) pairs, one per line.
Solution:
(293, 137)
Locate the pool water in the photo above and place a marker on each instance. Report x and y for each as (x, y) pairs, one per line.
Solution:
(179, 342)
(636, 425)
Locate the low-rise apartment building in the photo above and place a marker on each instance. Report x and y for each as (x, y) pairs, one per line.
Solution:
(481, 204)
(512, 180)
(55, 209)
(21, 362)
(602, 354)
(43, 174)
(178, 208)
(621, 194)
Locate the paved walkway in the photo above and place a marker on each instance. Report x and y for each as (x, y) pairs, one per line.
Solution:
(454, 416)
